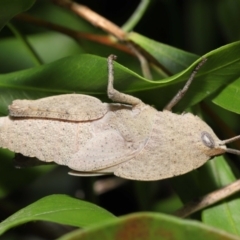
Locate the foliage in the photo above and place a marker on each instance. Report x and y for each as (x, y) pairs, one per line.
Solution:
(39, 59)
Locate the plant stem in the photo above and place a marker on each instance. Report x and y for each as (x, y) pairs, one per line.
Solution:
(136, 16)
(35, 57)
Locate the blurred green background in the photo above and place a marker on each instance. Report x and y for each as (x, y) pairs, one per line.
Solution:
(194, 26)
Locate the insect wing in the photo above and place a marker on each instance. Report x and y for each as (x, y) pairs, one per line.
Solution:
(70, 107)
(106, 148)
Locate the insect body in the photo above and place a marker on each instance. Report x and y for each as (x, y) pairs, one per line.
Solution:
(129, 138)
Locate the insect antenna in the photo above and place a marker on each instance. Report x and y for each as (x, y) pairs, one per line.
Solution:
(230, 150)
(233, 151)
(230, 140)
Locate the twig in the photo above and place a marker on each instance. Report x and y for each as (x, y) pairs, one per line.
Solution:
(106, 26)
(106, 40)
(34, 55)
(208, 199)
(102, 186)
(143, 61)
(92, 17)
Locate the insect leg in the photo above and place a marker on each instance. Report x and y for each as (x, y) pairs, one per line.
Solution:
(182, 92)
(115, 95)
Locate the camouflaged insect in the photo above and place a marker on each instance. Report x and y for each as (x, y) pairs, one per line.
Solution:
(129, 139)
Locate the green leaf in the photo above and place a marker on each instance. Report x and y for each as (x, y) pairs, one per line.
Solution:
(62, 16)
(87, 74)
(59, 209)
(187, 186)
(173, 59)
(215, 174)
(149, 226)
(229, 97)
(223, 215)
(8, 9)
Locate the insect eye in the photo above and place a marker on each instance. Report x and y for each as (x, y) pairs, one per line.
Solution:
(207, 140)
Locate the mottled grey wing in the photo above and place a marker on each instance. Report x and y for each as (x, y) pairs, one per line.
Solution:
(71, 107)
